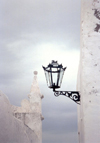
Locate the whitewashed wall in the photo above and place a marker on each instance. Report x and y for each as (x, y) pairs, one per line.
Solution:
(89, 84)
(12, 130)
(22, 124)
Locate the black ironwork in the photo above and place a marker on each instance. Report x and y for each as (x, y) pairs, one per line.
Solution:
(54, 74)
(74, 95)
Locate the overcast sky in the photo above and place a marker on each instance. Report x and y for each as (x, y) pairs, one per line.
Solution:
(33, 33)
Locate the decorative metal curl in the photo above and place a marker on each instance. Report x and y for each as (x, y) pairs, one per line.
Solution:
(74, 95)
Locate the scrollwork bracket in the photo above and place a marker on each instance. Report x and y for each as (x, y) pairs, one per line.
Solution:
(74, 95)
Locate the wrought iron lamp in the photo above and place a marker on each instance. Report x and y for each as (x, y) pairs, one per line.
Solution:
(54, 74)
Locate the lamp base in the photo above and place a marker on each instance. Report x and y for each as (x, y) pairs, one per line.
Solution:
(54, 87)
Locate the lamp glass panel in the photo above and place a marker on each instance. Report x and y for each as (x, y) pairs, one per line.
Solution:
(55, 75)
(61, 76)
(58, 78)
(47, 77)
(50, 78)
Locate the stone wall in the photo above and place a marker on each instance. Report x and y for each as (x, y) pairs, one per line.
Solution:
(89, 78)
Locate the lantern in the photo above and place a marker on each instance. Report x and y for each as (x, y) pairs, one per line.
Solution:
(54, 74)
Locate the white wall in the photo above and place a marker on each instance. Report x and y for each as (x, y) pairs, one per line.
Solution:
(89, 84)
(12, 130)
(22, 124)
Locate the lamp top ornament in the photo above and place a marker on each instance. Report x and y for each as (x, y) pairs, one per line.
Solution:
(54, 64)
(54, 73)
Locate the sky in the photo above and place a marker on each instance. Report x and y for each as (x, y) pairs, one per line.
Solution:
(33, 33)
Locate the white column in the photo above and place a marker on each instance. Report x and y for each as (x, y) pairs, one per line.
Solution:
(89, 110)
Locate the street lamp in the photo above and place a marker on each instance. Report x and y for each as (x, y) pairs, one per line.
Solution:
(54, 74)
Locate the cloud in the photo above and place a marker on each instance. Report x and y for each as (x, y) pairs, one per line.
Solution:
(54, 19)
(32, 34)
